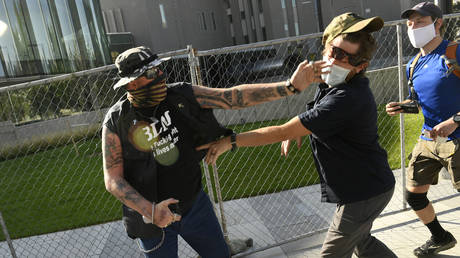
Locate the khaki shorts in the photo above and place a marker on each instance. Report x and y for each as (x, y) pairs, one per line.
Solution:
(428, 158)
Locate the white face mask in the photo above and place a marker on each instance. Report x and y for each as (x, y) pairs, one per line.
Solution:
(337, 74)
(421, 36)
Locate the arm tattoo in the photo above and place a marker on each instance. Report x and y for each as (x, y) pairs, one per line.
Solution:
(126, 192)
(282, 91)
(112, 154)
(228, 96)
(239, 97)
(261, 96)
(213, 101)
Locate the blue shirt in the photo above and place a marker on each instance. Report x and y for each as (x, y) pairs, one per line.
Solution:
(350, 162)
(438, 94)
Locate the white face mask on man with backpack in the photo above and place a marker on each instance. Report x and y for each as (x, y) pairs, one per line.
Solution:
(421, 36)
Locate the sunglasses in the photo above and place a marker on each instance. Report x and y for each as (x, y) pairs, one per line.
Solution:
(340, 54)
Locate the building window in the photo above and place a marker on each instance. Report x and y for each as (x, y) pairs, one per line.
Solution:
(202, 21)
(163, 17)
(261, 10)
(264, 33)
(49, 37)
(119, 20)
(113, 20)
(110, 24)
(213, 20)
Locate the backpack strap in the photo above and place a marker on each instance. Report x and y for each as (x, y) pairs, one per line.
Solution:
(413, 95)
(451, 58)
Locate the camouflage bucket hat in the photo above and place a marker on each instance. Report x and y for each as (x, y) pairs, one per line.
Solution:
(348, 23)
(133, 62)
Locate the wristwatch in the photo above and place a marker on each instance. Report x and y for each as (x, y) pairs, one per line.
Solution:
(291, 87)
(456, 118)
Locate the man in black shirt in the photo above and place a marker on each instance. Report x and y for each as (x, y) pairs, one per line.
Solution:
(342, 124)
(150, 162)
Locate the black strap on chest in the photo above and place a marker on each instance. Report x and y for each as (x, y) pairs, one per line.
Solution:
(413, 94)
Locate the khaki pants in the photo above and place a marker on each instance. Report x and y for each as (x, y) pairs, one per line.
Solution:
(350, 230)
(428, 158)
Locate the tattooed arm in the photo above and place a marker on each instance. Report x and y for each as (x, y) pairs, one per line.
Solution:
(240, 96)
(246, 95)
(116, 184)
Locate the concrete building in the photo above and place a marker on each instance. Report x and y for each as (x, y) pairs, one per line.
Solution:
(166, 25)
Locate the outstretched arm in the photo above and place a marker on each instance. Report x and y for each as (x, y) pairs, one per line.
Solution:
(246, 95)
(262, 136)
(122, 190)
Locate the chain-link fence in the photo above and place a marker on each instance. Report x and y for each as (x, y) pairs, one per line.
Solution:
(51, 163)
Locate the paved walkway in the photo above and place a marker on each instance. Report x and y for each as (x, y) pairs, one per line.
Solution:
(401, 232)
(254, 217)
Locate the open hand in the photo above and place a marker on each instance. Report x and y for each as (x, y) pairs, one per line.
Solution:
(308, 73)
(285, 145)
(215, 149)
(443, 129)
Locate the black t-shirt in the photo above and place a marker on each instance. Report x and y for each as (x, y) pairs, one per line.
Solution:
(160, 160)
(350, 162)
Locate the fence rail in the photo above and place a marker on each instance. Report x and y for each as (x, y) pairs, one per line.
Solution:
(51, 164)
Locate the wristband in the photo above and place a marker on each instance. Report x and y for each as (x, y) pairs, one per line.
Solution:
(233, 141)
(145, 219)
(291, 87)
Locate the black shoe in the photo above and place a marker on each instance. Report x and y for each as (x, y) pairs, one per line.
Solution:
(434, 247)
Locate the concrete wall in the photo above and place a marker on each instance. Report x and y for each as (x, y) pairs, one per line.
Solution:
(12, 135)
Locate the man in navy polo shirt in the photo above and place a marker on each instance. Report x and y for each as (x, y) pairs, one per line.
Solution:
(437, 92)
(342, 124)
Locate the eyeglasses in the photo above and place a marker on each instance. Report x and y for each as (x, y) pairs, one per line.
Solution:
(339, 54)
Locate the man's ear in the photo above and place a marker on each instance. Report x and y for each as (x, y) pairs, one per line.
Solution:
(361, 67)
(438, 25)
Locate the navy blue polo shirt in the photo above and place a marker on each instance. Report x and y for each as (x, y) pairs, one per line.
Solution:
(350, 162)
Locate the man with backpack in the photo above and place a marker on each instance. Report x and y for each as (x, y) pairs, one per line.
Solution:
(434, 87)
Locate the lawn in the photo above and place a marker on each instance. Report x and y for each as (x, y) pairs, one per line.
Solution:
(62, 188)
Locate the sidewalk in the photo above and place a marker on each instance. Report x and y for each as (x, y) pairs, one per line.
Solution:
(401, 232)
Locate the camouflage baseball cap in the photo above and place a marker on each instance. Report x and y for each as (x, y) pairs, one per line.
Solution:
(348, 23)
(133, 62)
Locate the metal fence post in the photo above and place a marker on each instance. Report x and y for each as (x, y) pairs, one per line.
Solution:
(401, 116)
(7, 236)
(12, 107)
(221, 203)
(192, 64)
(236, 245)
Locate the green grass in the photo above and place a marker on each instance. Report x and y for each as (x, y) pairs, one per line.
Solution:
(389, 135)
(57, 189)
